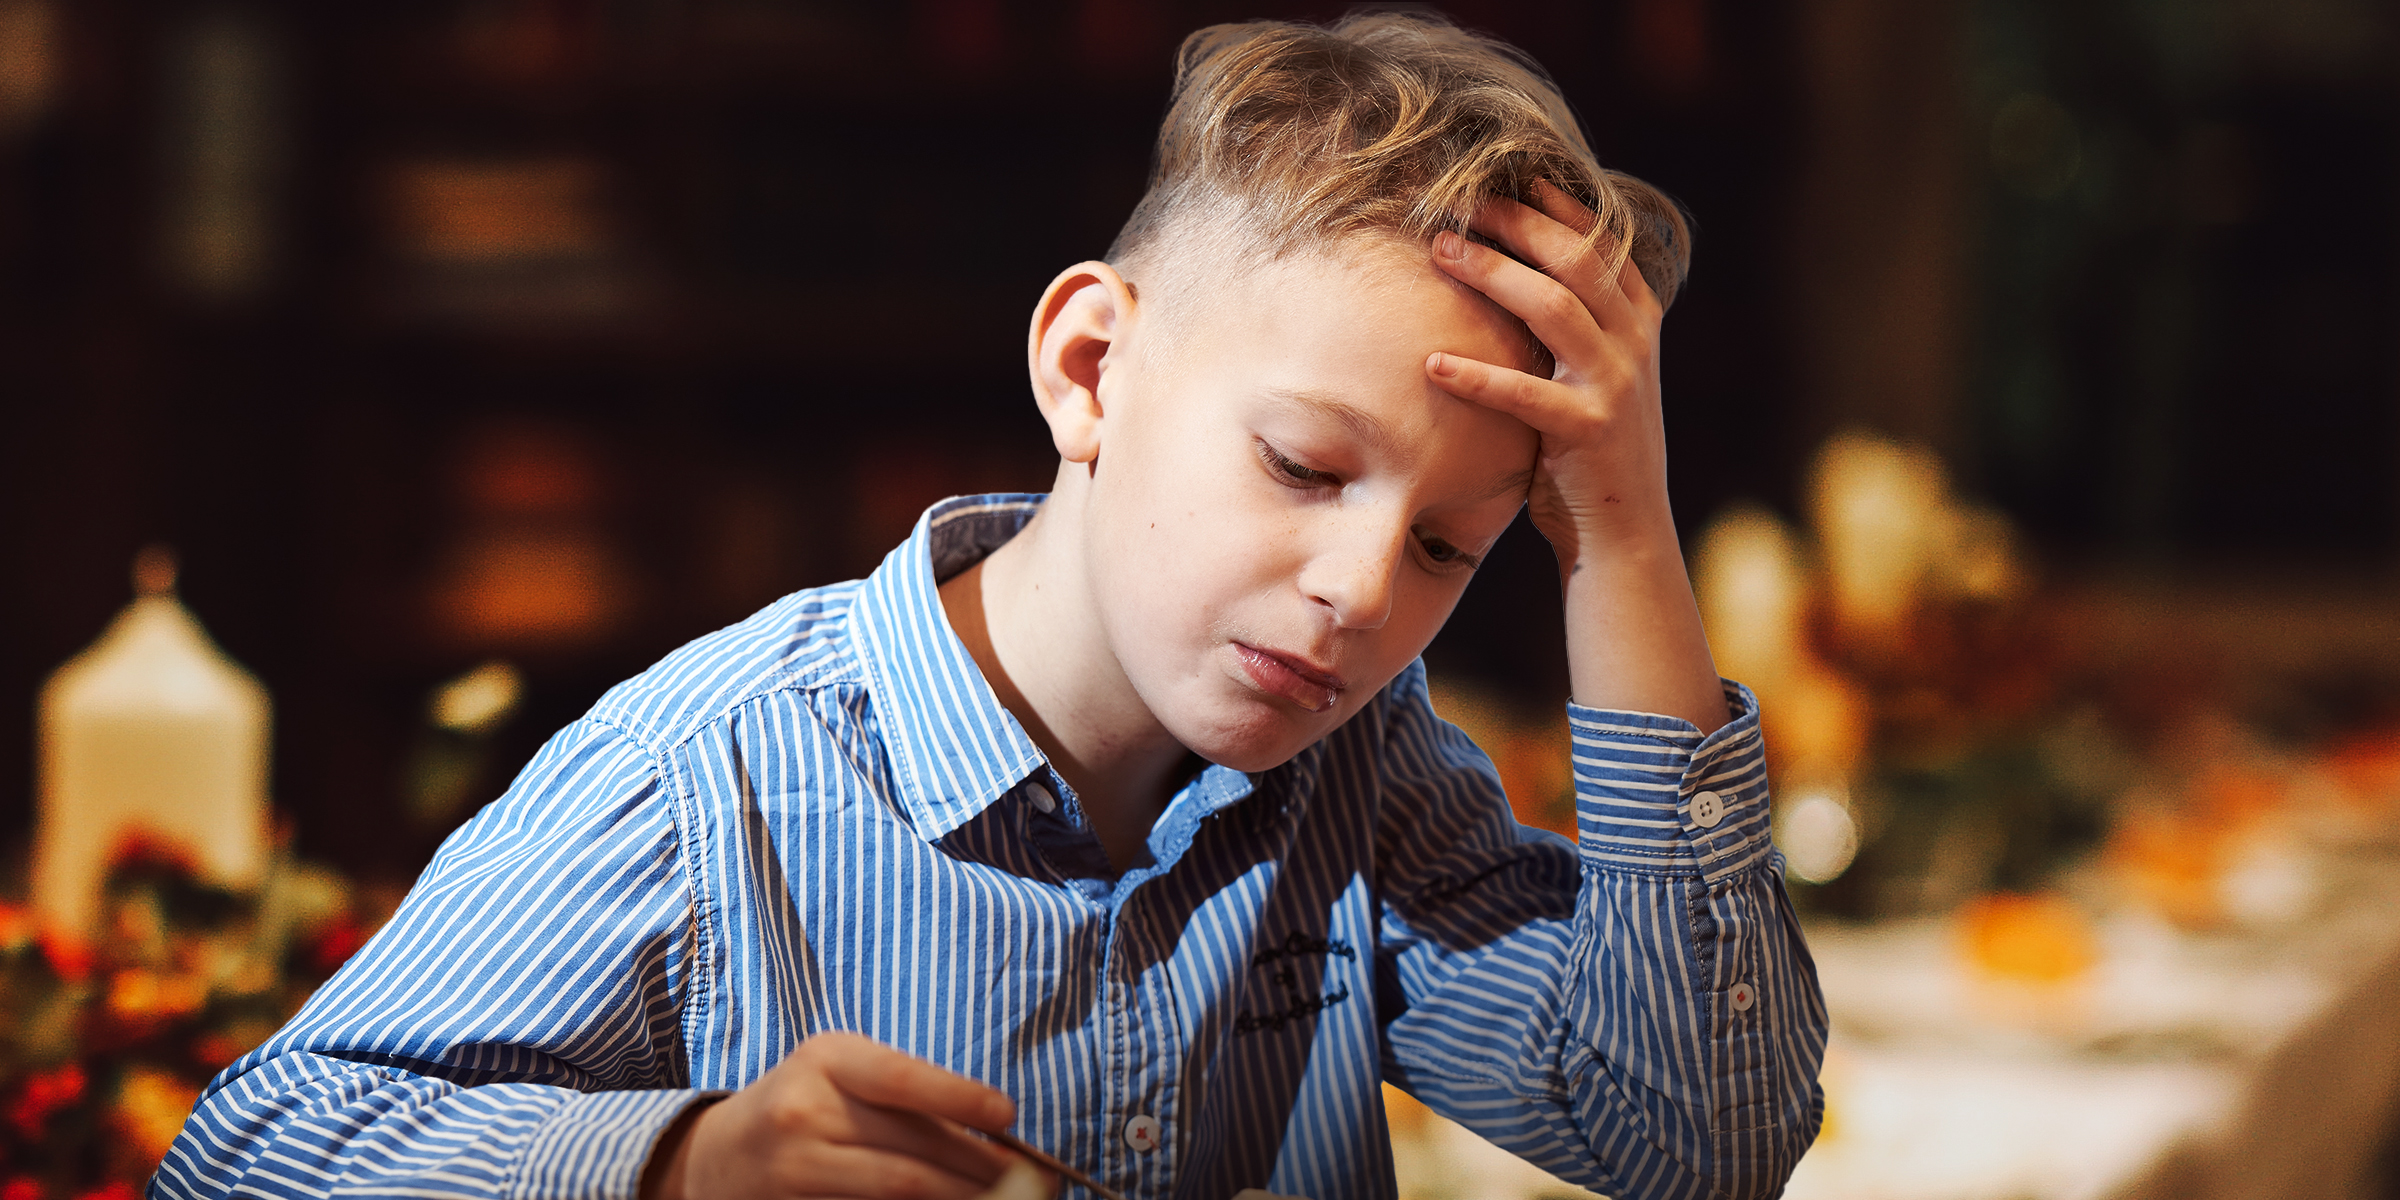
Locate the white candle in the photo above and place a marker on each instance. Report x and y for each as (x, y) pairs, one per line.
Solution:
(150, 732)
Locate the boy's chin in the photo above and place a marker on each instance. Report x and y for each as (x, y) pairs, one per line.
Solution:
(1250, 760)
(1261, 739)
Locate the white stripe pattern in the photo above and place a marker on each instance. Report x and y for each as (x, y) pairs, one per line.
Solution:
(819, 819)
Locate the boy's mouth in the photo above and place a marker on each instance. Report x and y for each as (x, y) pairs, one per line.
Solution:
(1293, 678)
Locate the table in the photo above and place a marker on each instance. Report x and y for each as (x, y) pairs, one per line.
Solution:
(2256, 1063)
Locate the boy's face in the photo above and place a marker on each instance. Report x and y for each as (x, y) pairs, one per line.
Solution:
(1285, 508)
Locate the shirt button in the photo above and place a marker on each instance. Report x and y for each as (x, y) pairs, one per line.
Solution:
(1041, 797)
(1743, 996)
(1141, 1133)
(1708, 808)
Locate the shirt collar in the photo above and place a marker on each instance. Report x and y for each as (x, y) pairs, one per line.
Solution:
(954, 749)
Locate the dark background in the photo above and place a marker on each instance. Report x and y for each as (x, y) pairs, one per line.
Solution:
(2128, 266)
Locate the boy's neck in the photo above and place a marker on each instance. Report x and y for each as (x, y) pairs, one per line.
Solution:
(1028, 623)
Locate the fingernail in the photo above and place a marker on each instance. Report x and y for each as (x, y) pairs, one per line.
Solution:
(1449, 245)
(1440, 364)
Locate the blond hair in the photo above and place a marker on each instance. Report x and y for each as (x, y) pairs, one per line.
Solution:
(1382, 123)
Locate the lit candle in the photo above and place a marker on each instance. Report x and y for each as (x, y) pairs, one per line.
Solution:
(151, 732)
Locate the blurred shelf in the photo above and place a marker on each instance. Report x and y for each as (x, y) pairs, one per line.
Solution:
(2264, 617)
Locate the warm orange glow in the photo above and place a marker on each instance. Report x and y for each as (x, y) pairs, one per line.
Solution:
(150, 1110)
(2036, 939)
(2368, 768)
(528, 471)
(532, 586)
(532, 565)
(485, 212)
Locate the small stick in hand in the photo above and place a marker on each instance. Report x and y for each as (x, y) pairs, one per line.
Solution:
(1052, 1165)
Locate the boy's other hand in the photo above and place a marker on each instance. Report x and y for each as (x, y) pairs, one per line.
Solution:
(1599, 493)
(1601, 480)
(841, 1116)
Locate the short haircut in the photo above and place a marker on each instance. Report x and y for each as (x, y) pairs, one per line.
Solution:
(1283, 137)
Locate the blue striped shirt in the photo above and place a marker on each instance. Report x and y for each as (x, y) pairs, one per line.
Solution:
(822, 818)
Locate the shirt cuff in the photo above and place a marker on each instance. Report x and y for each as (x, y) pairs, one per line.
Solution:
(1653, 796)
(597, 1143)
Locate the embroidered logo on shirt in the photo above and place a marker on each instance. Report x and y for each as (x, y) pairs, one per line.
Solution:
(1286, 957)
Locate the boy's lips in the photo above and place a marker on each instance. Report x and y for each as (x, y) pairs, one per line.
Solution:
(1287, 675)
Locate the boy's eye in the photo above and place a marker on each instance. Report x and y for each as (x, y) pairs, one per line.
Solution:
(1444, 554)
(1292, 474)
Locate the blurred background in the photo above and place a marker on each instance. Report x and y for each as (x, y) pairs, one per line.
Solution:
(2035, 406)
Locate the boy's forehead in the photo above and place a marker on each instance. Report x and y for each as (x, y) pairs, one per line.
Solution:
(1336, 275)
(1366, 278)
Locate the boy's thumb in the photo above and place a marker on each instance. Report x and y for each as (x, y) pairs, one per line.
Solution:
(1022, 1181)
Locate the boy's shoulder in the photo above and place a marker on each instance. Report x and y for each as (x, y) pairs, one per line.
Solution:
(801, 641)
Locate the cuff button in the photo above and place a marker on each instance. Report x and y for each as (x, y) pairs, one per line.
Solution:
(1708, 808)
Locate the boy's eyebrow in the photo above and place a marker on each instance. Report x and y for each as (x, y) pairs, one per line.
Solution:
(1514, 481)
(1366, 425)
(1377, 434)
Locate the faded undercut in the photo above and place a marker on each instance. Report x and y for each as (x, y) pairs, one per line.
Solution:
(1284, 137)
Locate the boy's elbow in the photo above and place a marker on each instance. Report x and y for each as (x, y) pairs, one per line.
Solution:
(1755, 1158)
(206, 1160)
(1748, 1152)
(235, 1139)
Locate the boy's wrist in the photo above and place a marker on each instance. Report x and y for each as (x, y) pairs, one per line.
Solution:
(1638, 541)
(663, 1174)
(1634, 636)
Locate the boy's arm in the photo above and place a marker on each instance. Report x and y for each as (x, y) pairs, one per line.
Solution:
(515, 1030)
(1636, 1013)
(1667, 1034)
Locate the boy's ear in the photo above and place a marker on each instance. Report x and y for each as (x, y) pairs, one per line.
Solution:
(1081, 317)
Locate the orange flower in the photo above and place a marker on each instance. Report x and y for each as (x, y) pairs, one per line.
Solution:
(17, 927)
(69, 955)
(341, 939)
(2038, 939)
(44, 1094)
(2368, 767)
(150, 1110)
(139, 849)
(214, 1051)
(137, 995)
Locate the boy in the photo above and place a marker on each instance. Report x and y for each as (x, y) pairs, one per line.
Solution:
(1120, 816)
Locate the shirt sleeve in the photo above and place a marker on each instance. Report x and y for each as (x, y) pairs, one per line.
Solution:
(513, 1032)
(1636, 1013)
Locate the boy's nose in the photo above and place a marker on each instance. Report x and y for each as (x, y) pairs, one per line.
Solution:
(1352, 575)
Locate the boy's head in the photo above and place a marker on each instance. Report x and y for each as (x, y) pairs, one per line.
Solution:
(1285, 138)
(1266, 509)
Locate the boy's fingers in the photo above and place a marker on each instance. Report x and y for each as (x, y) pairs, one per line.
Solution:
(1534, 401)
(1637, 290)
(1563, 255)
(927, 1139)
(1557, 205)
(875, 1174)
(1550, 247)
(883, 1076)
(1556, 315)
